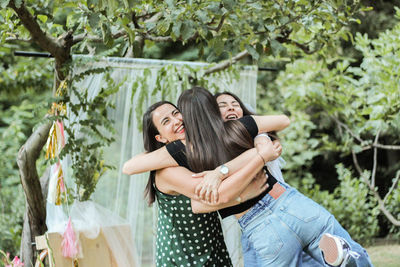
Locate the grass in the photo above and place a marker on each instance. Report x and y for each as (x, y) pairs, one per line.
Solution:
(385, 255)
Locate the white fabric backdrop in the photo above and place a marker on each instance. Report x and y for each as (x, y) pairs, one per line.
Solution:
(124, 194)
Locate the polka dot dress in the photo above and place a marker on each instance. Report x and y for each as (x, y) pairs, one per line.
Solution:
(185, 238)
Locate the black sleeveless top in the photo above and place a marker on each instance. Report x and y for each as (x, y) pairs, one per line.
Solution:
(177, 151)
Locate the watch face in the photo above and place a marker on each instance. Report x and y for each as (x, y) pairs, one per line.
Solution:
(224, 169)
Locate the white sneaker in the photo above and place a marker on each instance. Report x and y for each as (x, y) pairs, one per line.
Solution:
(334, 249)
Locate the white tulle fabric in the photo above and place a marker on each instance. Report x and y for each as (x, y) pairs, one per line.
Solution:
(118, 198)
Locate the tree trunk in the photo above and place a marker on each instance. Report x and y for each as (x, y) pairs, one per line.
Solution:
(27, 252)
(35, 217)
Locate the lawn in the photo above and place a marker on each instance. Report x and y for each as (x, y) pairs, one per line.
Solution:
(385, 255)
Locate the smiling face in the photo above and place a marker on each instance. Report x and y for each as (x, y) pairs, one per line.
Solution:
(169, 123)
(229, 107)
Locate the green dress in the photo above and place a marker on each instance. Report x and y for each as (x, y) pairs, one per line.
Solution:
(185, 238)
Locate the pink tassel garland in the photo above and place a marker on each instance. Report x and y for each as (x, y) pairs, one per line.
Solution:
(61, 137)
(69, 244)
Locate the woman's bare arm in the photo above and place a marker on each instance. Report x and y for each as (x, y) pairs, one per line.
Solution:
(254, 189)
(268, 123)
(207, 189)
(160, 158)
(151, 161)
(178, 180)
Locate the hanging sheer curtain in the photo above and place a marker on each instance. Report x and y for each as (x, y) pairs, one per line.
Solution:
(123, 194)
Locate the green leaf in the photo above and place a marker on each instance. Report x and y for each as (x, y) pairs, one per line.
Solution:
(276, 47)
(228, 4)
(187, 30)
(106, 34)
(94, 20)
(284, 20)
(202, 15)
(42, 18)
(18, 3)
(93, 4)
(176, 28)
(4, 3)
(170, 3)
(377, 112)
(252, 52)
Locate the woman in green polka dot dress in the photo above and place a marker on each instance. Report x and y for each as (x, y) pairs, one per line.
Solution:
(183, 238)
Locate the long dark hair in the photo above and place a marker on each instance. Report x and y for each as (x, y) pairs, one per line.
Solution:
(209, 141)
(246, 111)
(151, 144)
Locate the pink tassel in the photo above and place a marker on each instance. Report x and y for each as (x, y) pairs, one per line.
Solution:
(17, 262)
(62, 185)
(62, 137)
(69, 244)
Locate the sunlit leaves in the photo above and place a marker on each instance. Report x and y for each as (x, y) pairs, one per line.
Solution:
(365, 99)
(4, 3)
(236, 24)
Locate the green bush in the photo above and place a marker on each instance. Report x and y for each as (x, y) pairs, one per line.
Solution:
(16, 123)
(339, 107)
(393, 206)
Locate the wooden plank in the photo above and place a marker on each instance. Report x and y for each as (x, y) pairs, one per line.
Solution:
(40, 242)
(93, 252)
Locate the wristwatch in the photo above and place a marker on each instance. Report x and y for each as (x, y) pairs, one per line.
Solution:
(224, 170)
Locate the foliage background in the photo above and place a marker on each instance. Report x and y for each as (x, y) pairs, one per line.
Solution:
(353, 80)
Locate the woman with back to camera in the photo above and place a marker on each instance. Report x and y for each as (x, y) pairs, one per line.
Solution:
(299, 220)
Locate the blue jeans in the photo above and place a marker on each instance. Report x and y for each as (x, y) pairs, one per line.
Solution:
(278, 232)
(251, 258)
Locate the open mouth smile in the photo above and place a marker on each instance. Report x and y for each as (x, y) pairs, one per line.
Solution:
(231, 117)
(180, 129)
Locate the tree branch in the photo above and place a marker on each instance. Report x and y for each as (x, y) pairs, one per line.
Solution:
(219, 26)
(305, 48)
(157, 38)
(227, 63)
(382, 207)
(26, 248)
(96, 39)
(375, 162)
(393, 186)
(346, 128)
(356, 164)
(12, 39)
(285, 39)
(40, 37)
(374, 145)
(26, 160)
(381, 203)
(59, 48)
(387, 147)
